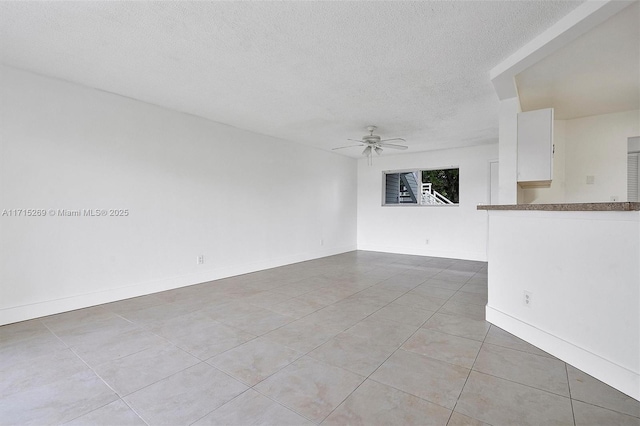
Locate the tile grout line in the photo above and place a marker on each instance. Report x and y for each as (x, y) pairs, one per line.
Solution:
(56, 336)
(97, 375)
(524, 384)
(281, 403)
(522, 351)
(386, 359)
(94, 372)
(314, 348)
(606, 408)
(134, 410)
(573, 414)
(387, 303)
(226, 374)
(308, 352)
(175, 373)
(215, 409)
(119, 397)
(468, 375)
(332, 304)
(311, 350)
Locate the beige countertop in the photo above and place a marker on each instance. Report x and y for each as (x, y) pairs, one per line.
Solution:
(566, 207)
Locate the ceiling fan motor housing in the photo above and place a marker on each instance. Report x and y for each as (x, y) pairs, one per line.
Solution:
(371, 139)
(373, 143)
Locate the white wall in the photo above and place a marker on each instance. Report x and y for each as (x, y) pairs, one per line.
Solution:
(589, 146)
(597, 146)
(192, 186)
(582, 271)
(453, 231)
(508, 141)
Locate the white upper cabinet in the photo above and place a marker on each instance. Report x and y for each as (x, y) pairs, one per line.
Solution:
(535, 148)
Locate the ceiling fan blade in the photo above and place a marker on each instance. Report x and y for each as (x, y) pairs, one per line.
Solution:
(394, 146)
(348, 146)
(355, 140)
(394, 139)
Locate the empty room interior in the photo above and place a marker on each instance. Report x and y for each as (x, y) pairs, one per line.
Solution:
(337, 213)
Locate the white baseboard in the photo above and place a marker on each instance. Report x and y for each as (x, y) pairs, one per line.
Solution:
(49, 307)
(609, 372)
(451, 254)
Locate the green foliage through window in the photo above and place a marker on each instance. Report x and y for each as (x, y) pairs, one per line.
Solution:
(445, 181)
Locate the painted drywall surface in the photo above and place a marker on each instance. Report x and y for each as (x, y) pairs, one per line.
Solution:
(581, 269)
(453, 231)
(508, 141)
(597, 146)
(191, 186)
(590, 146)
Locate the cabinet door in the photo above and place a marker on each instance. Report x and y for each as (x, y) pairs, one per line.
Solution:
(535, 147)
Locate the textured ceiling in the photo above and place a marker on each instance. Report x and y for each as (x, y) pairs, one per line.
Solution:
(309, 72)
(598, 73)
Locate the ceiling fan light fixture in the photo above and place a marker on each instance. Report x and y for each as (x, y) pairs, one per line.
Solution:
(372, 143)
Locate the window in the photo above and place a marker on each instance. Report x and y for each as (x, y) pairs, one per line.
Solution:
(421, 187)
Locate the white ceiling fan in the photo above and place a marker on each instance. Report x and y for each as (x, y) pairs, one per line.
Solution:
(373, 143)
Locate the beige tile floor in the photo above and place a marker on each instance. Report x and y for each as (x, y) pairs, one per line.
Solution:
(361, 338)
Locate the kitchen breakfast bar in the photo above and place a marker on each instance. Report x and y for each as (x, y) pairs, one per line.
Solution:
(566, 278)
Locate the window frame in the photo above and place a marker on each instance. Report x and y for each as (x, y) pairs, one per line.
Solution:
(383, 187)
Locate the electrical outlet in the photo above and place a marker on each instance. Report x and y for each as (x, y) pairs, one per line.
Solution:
(321, 242)
(591, 180)
(426, 241)
(200, 259)
(527, 299)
